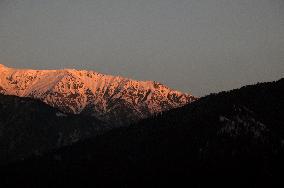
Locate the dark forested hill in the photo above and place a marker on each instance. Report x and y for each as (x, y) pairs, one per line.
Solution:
(228, 139)
(29, 127)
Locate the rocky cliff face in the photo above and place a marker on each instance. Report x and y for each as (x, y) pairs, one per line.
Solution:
(109, 98)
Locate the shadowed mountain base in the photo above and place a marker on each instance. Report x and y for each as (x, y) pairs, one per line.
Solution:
(232, 139)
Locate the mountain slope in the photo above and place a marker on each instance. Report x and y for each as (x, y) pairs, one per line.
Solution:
(230, 139)
(109, 98)
(29, 127)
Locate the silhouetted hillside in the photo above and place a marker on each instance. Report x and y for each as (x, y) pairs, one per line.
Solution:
(29, 127)
(232, 139)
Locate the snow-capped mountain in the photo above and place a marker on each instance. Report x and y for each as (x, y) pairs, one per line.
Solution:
(221, 138)
(112, 99)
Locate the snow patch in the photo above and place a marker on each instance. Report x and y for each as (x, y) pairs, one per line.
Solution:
(60, 114)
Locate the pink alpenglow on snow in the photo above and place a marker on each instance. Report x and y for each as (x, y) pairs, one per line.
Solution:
(112, 99)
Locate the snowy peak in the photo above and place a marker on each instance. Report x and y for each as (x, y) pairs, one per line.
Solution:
(3, 68)
(109, 98)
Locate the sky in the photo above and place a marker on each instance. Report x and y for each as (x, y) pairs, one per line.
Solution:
(195, 46)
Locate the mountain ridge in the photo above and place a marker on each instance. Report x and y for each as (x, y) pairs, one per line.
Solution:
(233, 138)
(109, 98)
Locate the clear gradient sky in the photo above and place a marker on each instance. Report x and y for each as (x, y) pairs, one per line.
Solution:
(196, 46)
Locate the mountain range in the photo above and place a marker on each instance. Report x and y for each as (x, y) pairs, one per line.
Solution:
(112, 99)
(230, 139)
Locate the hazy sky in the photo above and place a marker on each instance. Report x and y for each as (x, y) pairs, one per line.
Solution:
(196, 46)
